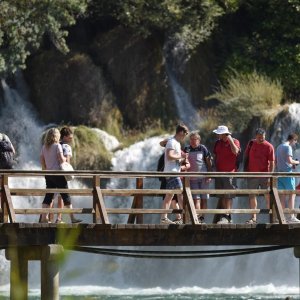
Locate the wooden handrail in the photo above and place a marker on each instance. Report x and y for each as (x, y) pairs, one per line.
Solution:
(100, 211)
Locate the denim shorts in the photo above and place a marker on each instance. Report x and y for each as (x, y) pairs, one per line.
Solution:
(199, 184)
(174, 183)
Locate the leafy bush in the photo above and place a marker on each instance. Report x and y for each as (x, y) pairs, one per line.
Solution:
(245, 96)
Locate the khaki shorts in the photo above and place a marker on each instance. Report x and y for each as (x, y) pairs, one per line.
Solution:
(225, 183)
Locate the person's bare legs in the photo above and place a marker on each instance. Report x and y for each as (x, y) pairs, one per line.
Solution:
(291, 203)
(60, 204)
(253, 205)
(44, 216)
(180, 203)
(175, 205)
(72, 217)
(166, 204)
(203, 205)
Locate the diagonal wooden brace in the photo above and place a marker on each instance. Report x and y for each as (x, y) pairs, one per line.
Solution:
(190, 202)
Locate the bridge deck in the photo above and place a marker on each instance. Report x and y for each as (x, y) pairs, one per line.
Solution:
(25, 234)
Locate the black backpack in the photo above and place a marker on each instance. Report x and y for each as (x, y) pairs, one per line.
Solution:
(161, 165)
(6, 155)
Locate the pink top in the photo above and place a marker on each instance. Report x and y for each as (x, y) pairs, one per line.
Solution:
(51, 156)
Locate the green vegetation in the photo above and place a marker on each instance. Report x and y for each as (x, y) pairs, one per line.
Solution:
(89, 151)
(245, 96)
(25, 23)
(263, 35)
(188, 21)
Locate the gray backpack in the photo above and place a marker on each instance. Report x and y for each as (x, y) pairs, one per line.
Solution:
(6, 155)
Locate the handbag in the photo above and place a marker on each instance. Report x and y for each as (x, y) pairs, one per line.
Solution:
(65, 166)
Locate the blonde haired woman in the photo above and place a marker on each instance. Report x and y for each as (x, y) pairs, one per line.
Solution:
(51, 157)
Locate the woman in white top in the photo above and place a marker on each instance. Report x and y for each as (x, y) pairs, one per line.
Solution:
(51, 157)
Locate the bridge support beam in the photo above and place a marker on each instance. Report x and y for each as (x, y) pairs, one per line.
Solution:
(49, 256)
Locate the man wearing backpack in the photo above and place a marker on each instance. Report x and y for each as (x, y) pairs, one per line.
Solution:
(7, 152)
(259, 157)
(226, 150)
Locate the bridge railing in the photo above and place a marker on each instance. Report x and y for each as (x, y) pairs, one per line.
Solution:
(98, 192)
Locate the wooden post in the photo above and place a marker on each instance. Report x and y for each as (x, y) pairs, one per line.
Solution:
(50, 272)
(18, 274)
(4, 182)
(273, 183)
(137, 203)
(49, 256)
(96, 215)
(1, 197)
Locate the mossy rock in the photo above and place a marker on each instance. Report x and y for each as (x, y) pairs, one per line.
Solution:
(89, 152)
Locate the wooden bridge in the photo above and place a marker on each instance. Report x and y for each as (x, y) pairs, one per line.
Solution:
(30, 240)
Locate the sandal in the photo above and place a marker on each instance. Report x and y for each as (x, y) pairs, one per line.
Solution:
(251, 221)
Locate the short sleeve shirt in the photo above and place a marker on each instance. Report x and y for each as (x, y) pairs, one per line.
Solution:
(282, 152)
(172, 165)
(260, 155)
(51, 156)
(67, 150)
(225, 158)
(197, 158)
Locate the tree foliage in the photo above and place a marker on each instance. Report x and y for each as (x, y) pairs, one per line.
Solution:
(24, 23)
(190, 21)
(263, 35)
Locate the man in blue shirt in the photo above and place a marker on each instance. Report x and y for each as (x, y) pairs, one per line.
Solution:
(285, 163)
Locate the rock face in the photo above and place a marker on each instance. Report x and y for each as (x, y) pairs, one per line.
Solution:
(111, 78)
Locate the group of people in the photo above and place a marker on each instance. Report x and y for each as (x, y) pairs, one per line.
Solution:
(259, 157)
(56, 150)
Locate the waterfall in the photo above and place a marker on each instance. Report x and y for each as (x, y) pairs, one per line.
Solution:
(176, 57)
(279, 268)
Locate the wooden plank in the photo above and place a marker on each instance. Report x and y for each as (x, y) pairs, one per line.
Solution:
(33, 211)
(132, 192)
(101, 205)
(155, 235)
(190, 202)
(9, 204)
(41, 192)
(278, 207)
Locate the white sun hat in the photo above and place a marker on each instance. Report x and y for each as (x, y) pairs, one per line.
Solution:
(222, 130)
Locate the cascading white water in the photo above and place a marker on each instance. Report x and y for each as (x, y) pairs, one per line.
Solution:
(280, 267)
(175, 57)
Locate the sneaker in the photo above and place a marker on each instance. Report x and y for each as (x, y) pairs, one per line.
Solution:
(76, 221)
(225, 219)
(201, 220)
(166, 221)
(251, 221)
(59, 221)
(293, 219)
(178, 221)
